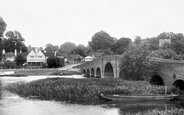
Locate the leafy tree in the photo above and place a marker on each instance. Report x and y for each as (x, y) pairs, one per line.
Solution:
(137, 40)
(81, 46)
(166, 54)
(49, 48)
(2, 27)
(78, 50)
(153, 43)
(19, 60)
(55, 62)
(177, 43)
(120, 45)
(101, 40)
(14, 41)
(67, 47)
(135, 64)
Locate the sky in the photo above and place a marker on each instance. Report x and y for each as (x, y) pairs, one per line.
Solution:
(55, 22)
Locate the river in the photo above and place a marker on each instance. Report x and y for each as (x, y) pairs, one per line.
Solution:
(12, 104)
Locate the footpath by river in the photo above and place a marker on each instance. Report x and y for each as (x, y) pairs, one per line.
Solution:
(12, 104)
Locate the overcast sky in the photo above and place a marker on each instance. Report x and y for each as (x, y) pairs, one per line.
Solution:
(58, 21)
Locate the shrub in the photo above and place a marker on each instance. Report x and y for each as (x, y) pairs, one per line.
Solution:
(19, 60)
(55, 62)
(9, 64)
(166, 54)
(135, 64)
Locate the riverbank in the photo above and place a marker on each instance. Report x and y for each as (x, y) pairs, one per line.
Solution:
(87, 90)
(66, 70)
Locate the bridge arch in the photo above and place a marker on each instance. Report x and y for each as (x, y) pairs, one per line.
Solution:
(92, 72)
(156, 80)
(98, 73)
(88, 73)
(108, 71)
(179, 84)
(84, 71)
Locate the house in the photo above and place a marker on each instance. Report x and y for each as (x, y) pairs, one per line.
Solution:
(36, 57)
(163, 41)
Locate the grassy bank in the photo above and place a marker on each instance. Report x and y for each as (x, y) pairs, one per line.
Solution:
(173, 111)
(82, 89)
(39, 72)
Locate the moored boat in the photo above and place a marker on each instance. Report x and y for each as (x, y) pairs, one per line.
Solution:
(128, 98)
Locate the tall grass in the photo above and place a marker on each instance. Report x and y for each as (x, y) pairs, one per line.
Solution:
(172, 111)
(67, 89)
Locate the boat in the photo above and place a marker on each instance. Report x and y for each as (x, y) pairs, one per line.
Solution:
(137, 98)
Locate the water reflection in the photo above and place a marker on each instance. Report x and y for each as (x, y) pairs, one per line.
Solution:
(12, 104)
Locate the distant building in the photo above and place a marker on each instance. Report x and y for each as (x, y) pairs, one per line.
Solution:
(163, 41)
(89, 58)
(35, 57)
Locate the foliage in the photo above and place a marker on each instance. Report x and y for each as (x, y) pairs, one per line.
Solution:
(137, 40)
(177, 43)
(9, 64)
(156, 111)
(136, 63)
(55, 62)
(14, 41)
(49, 48)
(101, 40)
(83, 89)
(166, 54)
(67, 47)
(2, 27)
(19, 60)
(120, 45)
(153, 43)
(79, 51)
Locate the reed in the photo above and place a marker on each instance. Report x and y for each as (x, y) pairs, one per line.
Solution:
(68, 89)
(172, 111)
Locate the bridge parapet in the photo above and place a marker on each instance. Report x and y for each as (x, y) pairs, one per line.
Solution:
(170, 71)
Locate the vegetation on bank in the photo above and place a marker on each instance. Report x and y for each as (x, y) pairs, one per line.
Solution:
(172, 111)
(83, 89)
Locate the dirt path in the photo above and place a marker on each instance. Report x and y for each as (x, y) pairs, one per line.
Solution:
(69, 67)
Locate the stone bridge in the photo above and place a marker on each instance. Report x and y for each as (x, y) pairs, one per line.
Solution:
(169, 72)
(103, 67)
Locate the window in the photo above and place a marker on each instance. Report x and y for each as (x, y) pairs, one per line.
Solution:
(39, 56)
(31, 56)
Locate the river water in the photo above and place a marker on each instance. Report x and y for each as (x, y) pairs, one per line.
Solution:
(12, 104)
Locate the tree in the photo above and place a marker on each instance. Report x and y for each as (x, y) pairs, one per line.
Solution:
(2, 27)
(67, 47)
(137, 40)
(153, 43)
(135, 64)
(14, 41)
(166, 54)
(120, 45)
(49, 48)
(19, 60)
(177, 43)
(78, 50)
(101, 40)
(55, 62)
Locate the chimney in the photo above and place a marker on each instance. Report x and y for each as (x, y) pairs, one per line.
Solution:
(55, 54)
(15, 52)
(3, 51)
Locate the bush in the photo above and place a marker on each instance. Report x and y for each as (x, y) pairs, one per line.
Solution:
(19, 60)
(166, 54)
(135, 64)
(9, 64)
(55, 62)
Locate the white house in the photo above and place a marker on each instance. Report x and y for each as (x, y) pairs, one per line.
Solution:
(35, 57)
